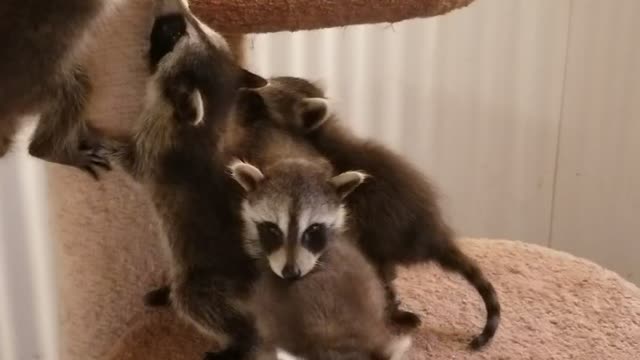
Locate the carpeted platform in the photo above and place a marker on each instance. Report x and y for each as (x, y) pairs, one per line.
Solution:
(555, 306)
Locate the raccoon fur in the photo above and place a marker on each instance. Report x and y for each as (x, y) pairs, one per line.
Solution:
(172, 154)
(317, 298)
(394, 215)
(42, 73)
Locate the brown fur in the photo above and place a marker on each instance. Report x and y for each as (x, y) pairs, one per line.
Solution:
(259, 143)
(195, 200)
(395, 215)
(40, 73)
(337, 309)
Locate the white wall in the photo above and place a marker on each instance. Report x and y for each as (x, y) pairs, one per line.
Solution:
(28, 316)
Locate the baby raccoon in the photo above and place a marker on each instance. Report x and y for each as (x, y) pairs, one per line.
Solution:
(40, 74)
(172, 154)
(394, 215)
(317, 297)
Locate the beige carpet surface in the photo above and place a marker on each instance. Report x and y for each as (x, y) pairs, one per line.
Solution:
(555, 306)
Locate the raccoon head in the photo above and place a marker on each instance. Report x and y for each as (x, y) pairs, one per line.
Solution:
(287, 102)
(292, 211)
(194, 78)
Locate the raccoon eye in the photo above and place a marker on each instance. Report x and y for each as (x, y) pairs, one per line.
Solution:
(315, 238)
(270, 236)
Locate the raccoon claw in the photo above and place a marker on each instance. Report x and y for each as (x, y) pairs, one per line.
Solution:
(94, 158)
(405, 319)
(158, 297)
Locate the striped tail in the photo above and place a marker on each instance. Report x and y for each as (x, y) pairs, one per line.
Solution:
(453, 259)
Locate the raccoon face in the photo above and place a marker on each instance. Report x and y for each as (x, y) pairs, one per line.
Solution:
(174, 23)
(287, 102)
(193, 71)
(292, 212)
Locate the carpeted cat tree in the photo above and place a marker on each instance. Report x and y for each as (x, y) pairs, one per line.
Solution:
(555, 306)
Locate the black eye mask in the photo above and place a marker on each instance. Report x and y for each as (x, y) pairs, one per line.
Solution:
(271, 238)
(315, 238)
(166, 32)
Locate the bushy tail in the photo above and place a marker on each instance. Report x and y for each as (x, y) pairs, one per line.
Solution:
(453, 259)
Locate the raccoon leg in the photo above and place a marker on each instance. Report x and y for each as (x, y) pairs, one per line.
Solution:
(207, 303)
(62, 135)
(398, 317)
(159, 297)
(8, 128)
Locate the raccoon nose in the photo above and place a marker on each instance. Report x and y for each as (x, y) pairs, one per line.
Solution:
(290, 272)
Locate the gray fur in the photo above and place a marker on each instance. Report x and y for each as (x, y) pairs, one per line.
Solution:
(394, 216)
(41, 73)
(172, 153)
(337, 311)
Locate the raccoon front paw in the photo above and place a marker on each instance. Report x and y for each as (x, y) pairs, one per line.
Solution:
(93, 157)
(405, 319)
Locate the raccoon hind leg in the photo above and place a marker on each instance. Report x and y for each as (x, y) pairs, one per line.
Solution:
(398, 317)
(201, 301)
(63, 136)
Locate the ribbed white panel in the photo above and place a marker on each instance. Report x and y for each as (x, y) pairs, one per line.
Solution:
(597, 202)
(28, 316)
(473, 98)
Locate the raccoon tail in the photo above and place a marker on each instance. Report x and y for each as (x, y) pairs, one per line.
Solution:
(453, 259)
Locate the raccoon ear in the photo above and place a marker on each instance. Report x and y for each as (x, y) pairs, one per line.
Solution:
(247, 175)
(315, 111)
(250, 80)
(346, 182)
(188, 105)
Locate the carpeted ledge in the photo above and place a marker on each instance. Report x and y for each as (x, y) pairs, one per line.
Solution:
(556, 306)
(251, 16)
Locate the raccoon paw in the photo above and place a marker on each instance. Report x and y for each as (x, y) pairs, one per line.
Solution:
(405, 319)
(158, 297)
(92, 157)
